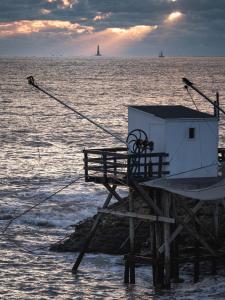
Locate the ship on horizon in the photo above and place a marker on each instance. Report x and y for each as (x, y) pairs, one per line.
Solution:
(161, 54)
(98, 51)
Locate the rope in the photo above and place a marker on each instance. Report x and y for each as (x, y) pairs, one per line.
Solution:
(208, 124)
(39, 203)
(196, 169)
(32, 82)
(191, 98)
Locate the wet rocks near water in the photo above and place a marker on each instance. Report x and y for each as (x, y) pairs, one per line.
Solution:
(111, 236)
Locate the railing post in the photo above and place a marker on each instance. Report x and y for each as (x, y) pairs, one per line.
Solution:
(128, 169)
(160, 166)
(85, 164)
(115, 167)
(104, 158)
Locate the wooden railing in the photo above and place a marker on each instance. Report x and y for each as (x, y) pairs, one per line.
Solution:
(111, 165)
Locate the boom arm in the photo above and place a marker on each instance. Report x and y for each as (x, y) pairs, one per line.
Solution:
(214, 103)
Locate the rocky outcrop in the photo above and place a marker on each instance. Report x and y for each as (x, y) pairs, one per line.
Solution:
(110, 235)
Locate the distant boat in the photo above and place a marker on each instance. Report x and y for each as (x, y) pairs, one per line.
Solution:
(161, 54)
(98, 51)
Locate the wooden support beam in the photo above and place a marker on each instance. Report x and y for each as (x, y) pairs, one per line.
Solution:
(197, 254)
(175, 246)
(199, 223)
(198, 237)
(128, 238)
(216, 232)
(139, 259)
(145, 196)
(153, 252)
(127, 272)
(92, 232)
(151, 218)
(223, 202)
(159, 264)
(113, 192)
(180, 227)
(131, 234)
(167, 264)
(216, 217)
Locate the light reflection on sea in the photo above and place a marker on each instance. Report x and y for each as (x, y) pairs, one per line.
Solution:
(41, 150)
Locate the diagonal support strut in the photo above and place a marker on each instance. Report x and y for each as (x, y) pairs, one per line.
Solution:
(92, 232)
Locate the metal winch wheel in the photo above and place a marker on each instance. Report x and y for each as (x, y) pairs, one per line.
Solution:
(138, 143)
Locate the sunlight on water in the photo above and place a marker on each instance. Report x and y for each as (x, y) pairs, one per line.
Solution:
(41, 151)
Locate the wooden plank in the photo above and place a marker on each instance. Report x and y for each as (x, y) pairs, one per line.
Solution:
(151, 218)
(106, 149)
(110, 180)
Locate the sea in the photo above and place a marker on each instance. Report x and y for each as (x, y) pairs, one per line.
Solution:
(41, 153)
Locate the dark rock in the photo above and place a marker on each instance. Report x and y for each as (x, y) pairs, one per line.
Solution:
(110, 235)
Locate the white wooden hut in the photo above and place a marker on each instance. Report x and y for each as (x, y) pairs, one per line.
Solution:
(190, 137)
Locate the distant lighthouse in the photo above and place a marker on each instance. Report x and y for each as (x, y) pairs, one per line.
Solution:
(98, 51)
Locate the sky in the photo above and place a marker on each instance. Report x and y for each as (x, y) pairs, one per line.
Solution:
(120, 27)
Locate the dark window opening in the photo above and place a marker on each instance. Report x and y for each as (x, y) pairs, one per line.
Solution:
(191, 133)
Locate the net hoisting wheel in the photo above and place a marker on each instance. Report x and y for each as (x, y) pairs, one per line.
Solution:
(137, 141)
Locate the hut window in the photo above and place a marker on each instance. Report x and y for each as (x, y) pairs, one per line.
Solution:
(191, 133)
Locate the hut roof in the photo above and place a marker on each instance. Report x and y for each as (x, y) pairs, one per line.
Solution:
(195, 188)
(172, 111)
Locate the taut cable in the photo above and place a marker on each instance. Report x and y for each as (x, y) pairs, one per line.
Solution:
(32, 82)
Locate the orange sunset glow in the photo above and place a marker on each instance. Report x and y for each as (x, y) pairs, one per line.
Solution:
(114, 40)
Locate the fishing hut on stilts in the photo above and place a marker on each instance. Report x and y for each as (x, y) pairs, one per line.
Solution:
(171, 164)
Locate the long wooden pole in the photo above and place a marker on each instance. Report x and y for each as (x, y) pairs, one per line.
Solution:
(214, 103)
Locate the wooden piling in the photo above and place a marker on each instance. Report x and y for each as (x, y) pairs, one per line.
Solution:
(216, 232)
(167, 263)
(126, 271)
(174, 245)
(131, 233)
(159, 267)
(196, 259)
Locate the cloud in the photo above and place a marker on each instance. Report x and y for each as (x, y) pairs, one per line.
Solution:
(113, 41)
(63, 3)
(67, 3)
(200, 22)
(174, 16)
(45, 11)
(101, 16)
(26, 27)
